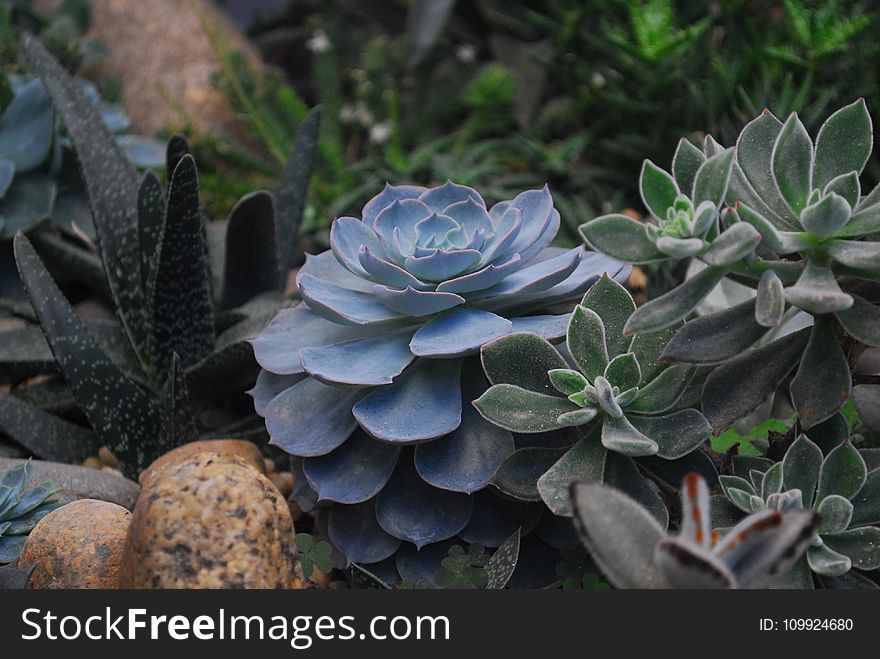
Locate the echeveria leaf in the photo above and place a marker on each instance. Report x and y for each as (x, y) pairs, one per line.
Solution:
(685, 163)
(522, 359)
(583, 463)
(251, 264)
(817, 291)
(777, 241)
(614, 305)
(865, 220)
(716, 337)
(856, 253)
(836, 512)
(862, 321)
(648, 349)
(658, 189)
(620, 535)
(518, 476)
(622, 238)
(372, 361)
(672, 307)
(623, 371)
(26, 127)
(754, 155)
(586, 342)
(356, 532)
(800, 468)
(522, 410)
(866, 504)
(859, 545)
(793, 163)
(675, 434)
(713, 177)
(458, 332)
(30, 199)
(621, 436)
(843, 473)
(827, 215)
(827, 562)
(496, 517)
(770, 300)
(844, 143)
(867, 401)
(680, 248)
(125, 417)
(664, 391)
(764, 369)
(847, 186)
(822, 383)
(732, 245)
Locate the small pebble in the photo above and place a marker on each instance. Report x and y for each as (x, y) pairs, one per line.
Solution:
(270, 465)
(241, 448)
(93, 462)
(108, 458)
(283, 481)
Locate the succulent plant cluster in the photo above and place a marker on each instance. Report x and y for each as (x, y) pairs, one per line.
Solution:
(181, 358)
(368, 382)
(20, 509)
(837, 486)
(634, 551)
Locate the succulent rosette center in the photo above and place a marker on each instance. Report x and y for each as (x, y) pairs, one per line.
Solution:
(361, 378)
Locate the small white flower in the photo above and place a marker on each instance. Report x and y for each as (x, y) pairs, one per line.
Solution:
(381, 132)
(319, 43)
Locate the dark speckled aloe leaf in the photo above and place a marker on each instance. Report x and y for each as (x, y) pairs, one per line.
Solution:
(177, 148)
(178, 422)
(503, 562)
(124, 416)
(45, 435)
(151, 211)
(181, 302)
(112, 183)
(293, 186)
(251, 257)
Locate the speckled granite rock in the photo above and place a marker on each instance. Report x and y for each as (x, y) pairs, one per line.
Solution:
(80, 482)
(244, 449)
(210, 521)
(79, 545)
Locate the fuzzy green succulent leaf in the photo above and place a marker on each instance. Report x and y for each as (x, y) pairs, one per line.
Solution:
(648, 349)
(827, 216)
(251, 265)
(843, 473)
(620, 534)
(680, 248)
(836, 513)
(623, 371)
(622, 238)
(866, 398)
(521, 410)
(772, 481)
(582, 463)
(817, 290)
(675, 434)
(587, 342)
(716, 337)
(859, 545)
(522, 359)
(733, 245)
(664, 391)
(769, 300)
(614, 305)
(754, 157)
(866, 504)
(847, 186)
(658, 189)
(856, 253)
(577, 417)
(567, 381)
(685, 163)
(776, 240)
(764, 368)
(713, 177)
(866, 219)
(844, 143)
(825, 561)
(672, 307)
(862, 321)
(621, 436)
(801, 466)
(518, 475)
(823, 382)
(793, 163)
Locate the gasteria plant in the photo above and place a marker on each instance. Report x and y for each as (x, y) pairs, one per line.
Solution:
(621, 393)
(187, 351)
(20, 509)
(390, 315)
(634, 551)
(793, 225)
(839, 487)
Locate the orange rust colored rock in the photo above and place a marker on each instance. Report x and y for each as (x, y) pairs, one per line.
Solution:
(241, 448)
(79, 545)
(210, 521)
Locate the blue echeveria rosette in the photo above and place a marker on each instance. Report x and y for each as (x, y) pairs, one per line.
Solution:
(368, 382)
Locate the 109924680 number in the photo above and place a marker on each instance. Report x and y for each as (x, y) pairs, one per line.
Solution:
(817, 624)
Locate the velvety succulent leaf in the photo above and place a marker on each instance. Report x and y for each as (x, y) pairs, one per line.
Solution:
(622, 238)
(26, 127)
(710, 183)
(181, 300)
(716, 337)
(859, 545)
(354, 472)
(621, 436)
(866, 504)
(44, 435)
(864, 220)
(466, 460)
(311, 418)
(518, 475)
(826, 216)
(151, 213)
(663, 392)
(620, 535)
(836, 512)
(522, 410)
(822, 383)
(355, 530)
(675, 434)
(862, 321)
(614, 305)
(522, 359)
(867, 402)
(843, 473)
(410, 509)
(582, 463)
(741, 499)
(658, 189)
(777, 241)
(770, 300)
(251, 264)
(125, 418)
(372, 361)
(292, 189)
(648, 349)
(685, 163)
(827, 562)
(567, 381)
(112, 184)
(458, 332)
(672, 307)
(680, 248)
(501, 566)
(847, 186)
(764, 369)
(587, 342)
(623, 371)
(754, 155)
(800, 468)
(772, 481)
(732, 245)
(856, 253)
(844, 143)
(817, 291)
(793, 163)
